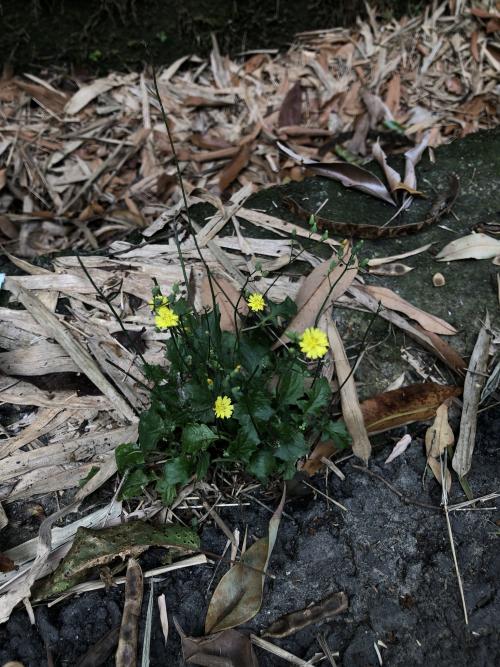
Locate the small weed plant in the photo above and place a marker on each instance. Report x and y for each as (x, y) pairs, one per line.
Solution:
(229, 398)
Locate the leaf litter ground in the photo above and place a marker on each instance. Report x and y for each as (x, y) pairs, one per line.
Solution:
(323, 550)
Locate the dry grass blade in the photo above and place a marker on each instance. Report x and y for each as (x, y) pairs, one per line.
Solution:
(68, 342)
(474, 382)
(351, 411)
(318, 291)
(126, 654)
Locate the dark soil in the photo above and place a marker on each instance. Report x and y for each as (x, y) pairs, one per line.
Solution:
(110, 34)
(392, 559)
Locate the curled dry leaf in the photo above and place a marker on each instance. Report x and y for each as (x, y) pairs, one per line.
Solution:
(412, 158)
(393, 301)
(400, 447)
(399, 407)
(318, 612)
(473, 246)
(99, 652)
(391, 175)
(439, 436)
(126, 654)
(383, 412)
(350, 175)
(319, 290)
(238, 596)
(229, 648)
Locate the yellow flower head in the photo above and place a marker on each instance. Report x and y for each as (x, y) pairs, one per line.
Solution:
(313, 343)
(157, 302)
(210, 382)
(165, 318)
(223, 407)
(256, 302)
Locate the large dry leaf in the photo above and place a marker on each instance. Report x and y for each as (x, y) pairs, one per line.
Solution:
(393, 301)
(427, 339)
(238, 597)
(439, 436)
(473, 246)
(350, 175)
(399, 407)
(351, 412)
(96, 547)
(229, 648)
(389, 410)
(474, 382)
(318, 291)
(291, 109)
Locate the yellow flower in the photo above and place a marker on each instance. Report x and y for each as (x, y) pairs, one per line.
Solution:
(210, 382)
(313, 343)
(223, 407)
(165, 318)
(256, 302)
(157, 302)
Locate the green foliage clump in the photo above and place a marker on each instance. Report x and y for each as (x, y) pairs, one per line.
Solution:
(225, 399)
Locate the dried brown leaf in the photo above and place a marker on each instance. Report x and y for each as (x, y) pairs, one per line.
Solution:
(393, 301)
(416, 402)
(291, 109)
(229, 648)
(318, 291)
(439, 436)
(233, 169)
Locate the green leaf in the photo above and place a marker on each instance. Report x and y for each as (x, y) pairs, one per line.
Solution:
(168, 492)
(262, 464)
(197, 437)
(203, 465)
(291, 385)
(134, 484)
(241, 448)
(128, 455)
(318, 398)
(336, 431)
(247, 429)
(177, 471)
(151, 428)
(253, 356)
(292, 444)
(284, 310)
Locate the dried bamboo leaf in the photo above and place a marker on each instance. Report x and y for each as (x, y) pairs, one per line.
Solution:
(393, 301)
(351, 411)
(326, 283)
(80, 356)
(439, 436)
(474, 382)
